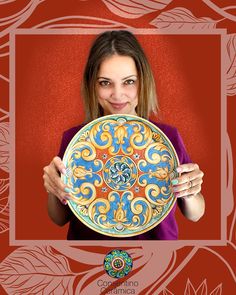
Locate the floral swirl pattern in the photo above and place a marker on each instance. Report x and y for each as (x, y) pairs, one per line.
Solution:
(128, 191)
(120, 173)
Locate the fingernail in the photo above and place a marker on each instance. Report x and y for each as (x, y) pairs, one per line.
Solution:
(177, 195)
(64, 202)
(67, 190)
(63, 171)
(174, 181)
(172, 175)
(178, 169)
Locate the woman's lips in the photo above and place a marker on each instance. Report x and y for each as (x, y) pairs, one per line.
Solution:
(118, 106)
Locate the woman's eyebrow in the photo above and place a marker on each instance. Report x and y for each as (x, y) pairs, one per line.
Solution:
(130, 77)
(103, 78)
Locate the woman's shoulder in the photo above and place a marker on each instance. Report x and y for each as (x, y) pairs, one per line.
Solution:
(66, 138)
(70, 133)
(174, 136)
(73, 130)
(169, 130)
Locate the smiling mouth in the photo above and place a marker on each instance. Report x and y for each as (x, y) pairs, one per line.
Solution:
(118, 106)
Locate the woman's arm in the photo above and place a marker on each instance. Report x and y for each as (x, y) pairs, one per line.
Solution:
(187, 188)
(58, 212)
(58, 192)
(192, 207)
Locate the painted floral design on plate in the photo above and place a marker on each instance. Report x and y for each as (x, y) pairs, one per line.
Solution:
(119, 169)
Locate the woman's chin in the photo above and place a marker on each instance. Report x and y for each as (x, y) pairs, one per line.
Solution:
(121, 112)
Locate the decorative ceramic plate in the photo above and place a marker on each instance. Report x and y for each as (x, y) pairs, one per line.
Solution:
(119, 169)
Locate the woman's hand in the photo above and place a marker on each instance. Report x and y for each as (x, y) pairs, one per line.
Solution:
(190, 182)
(52, 181)
(187, 188)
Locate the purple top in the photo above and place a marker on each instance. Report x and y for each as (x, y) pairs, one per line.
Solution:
(166, 230)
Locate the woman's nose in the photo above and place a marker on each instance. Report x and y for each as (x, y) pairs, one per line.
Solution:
(117, 92)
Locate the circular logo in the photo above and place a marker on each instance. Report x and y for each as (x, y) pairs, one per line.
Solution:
(118, 263)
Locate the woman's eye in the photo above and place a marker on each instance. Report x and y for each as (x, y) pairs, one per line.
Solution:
(129, 82)
(104, 83)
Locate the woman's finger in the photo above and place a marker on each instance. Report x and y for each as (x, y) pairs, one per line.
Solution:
(59, 189)
(187, 185)
(187, 167)
(186, 177)
(53, 183)
(52, 177)
(191, 191)
(61, 195)
(57, 162)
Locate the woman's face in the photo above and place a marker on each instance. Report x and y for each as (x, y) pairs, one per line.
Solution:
(117, 85)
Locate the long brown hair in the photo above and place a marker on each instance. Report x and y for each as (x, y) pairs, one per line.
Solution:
(122, 43)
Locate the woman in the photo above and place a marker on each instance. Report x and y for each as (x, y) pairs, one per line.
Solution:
(118, 80)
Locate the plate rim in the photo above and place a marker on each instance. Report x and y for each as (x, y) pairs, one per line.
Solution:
(71, 143)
